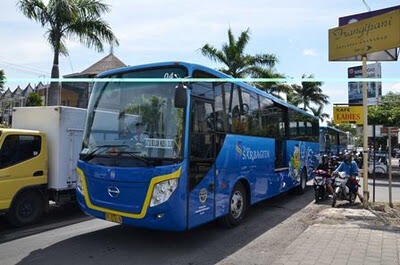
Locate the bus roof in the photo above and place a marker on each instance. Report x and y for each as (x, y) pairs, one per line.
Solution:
(332, 128)
(191, 67)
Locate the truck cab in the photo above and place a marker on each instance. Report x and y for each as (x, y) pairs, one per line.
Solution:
(23, 175)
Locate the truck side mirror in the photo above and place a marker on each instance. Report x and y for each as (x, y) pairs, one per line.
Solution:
(180, 96)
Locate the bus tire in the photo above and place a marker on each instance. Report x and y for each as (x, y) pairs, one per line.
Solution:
(27, 208)
(303, 183)
(238, 205)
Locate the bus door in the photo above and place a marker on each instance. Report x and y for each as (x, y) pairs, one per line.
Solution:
(201, 162)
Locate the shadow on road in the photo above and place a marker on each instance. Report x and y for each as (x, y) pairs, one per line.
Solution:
(58, 216)
(207, 244)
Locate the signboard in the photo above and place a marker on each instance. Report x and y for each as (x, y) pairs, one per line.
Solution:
(369, 35)
(385, 131)
(386, 55)
(374, 88)
(378, 130)
(348, 115)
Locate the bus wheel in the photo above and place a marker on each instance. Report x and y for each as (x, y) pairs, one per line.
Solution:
(237, 206)
(303, 183)
(26, 209)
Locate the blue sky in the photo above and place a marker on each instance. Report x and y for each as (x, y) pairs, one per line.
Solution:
(161, 30)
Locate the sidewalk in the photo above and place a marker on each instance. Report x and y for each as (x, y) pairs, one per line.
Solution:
(345, 236)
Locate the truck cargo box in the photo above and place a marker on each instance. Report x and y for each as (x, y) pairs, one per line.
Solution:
(64, 130)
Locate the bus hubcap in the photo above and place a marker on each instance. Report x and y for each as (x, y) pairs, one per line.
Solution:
(236, 204)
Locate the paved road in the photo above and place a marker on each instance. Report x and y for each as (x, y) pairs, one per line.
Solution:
(95, 241)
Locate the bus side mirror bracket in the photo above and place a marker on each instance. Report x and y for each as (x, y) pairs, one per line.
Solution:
(180, 96)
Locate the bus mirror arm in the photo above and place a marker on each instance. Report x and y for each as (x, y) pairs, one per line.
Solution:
(180, 96)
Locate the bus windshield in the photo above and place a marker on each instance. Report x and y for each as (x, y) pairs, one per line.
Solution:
(134, 124)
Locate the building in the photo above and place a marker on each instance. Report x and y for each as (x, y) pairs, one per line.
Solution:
(10, 100)
(77, 94)
(74, 94)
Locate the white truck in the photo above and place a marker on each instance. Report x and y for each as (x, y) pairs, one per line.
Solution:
(38, 158)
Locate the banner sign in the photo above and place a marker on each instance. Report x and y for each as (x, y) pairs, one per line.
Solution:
(374, 88)
(386, 55)
(369, 35)
(348, 115)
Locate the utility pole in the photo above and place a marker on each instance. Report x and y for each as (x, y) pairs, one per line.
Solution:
(390, 165)
(365, 132)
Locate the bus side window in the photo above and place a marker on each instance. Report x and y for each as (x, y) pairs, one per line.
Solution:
(280, 154)
(221, 105)
(254, 115)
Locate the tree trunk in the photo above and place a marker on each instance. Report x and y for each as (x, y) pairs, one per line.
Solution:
(54, 94)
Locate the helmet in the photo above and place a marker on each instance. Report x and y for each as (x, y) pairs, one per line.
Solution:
(348, 155)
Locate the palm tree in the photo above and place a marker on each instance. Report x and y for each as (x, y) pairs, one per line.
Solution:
(273, 88)
(318, 112)
(291, 95)
(2, 77)
(310, 92)
(66, 19)
(232, 55)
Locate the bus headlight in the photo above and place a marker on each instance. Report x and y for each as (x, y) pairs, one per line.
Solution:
(162, 191)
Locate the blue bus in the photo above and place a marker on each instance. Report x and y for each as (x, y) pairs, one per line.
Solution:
(173, 156)
(332, 141)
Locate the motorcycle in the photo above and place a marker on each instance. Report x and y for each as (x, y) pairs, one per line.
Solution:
(341, 189)
(320, 185)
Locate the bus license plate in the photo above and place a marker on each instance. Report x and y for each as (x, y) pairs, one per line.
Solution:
(114, 218)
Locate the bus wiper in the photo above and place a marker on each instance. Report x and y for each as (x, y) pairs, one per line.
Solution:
(90, 155)
(138, 157)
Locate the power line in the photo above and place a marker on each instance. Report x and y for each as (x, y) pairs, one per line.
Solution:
(24, 68)
(366, 5)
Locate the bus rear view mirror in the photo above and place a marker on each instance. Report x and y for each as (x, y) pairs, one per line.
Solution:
(180, 96)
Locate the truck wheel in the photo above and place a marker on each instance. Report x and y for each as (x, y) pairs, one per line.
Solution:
(237, 207)
(26, 209)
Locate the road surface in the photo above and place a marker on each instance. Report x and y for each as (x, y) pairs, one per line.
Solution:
(98, 242)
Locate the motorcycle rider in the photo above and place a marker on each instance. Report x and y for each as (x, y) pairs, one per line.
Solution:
(326, 167)
(351, 169)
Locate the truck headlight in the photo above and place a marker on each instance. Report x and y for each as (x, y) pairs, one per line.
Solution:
(162, 191)
(79, 182)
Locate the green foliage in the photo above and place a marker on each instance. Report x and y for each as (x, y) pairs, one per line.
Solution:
(69, 19)
(308, 93)
(232, 55)
(150, 111)
(387, 113)
(2, 77)
(318, 112)
(78, 19)
(33, 100)
(273, 88)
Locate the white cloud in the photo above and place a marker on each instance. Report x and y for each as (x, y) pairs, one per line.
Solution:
(395, 88)
(309, 52)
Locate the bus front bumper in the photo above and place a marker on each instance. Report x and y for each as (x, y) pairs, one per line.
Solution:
(168, 216)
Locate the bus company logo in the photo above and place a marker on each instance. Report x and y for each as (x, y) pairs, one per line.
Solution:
(246, 153)
(203, 195)
(239, 149)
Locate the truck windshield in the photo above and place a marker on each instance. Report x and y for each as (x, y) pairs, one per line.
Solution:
(133, 124)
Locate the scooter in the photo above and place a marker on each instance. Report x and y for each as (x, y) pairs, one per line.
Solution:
(341, 189)
(320, 186)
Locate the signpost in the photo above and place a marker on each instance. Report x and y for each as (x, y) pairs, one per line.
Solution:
(348, 115)
(366, 36)
(390, 131)
(369, 35)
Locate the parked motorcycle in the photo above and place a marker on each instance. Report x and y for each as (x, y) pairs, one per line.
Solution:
(341, 189)
(320, 185)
